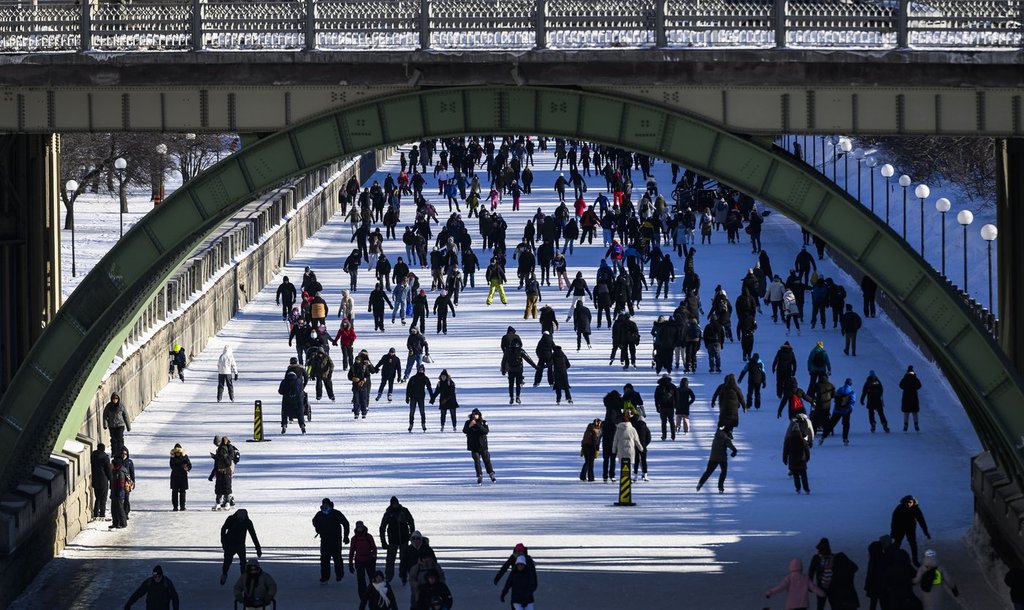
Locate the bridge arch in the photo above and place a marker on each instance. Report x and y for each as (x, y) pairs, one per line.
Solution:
(49, 396)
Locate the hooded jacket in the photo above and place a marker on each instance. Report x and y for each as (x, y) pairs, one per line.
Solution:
(259, 587)
(797, 586)
(446, 391)
(626, 444)
(226, 362)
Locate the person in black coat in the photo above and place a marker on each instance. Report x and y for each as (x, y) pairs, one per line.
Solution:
(332, 528)
(625, 337)
(905, 518)
(784, 367)
(159, 592)
(522, 582)
(842, 594)
(376, 303)
(442, 305)
(416, 393)
(612, 417)
(449, 402)
(872, 393)
(102, 473)
(180, 466)
(286, 297)
(512, 364)
(869, 289)
(397, 528)
(476, 431)
(560, 374)
(389, 367)
(880, 554)
(754, 371)
(351, 267)
(910, 404)
(664, 404)
(795, 454)
(850, 324)
(684, 399)
(718, 458)
(379, 595)
(232, 540)
(548, 319)
(544, 350)
(581, 318)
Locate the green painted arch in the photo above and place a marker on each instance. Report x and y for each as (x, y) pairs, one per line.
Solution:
(49, 395)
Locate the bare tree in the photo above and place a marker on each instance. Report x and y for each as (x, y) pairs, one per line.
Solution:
(968, 162)
(194, 152)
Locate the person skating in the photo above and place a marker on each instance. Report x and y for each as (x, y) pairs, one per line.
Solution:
(844, 401)
(625, 337)
(227, 374)
(872, 393)
(818, 363)
(346, 337)
(420, 310)
(581, 318)
(910, 403)
(286, 297)
(416, 392)
(880, 553)
(797, 586)
(396, 528)
(822, 394)
(255, 588)
(417, 548)
(449, 402)
(518, 551)
(850, 323)
(224, 460)
(613, 408)
(359, 375)
(820, 570)
(714, 341)
(545, 350)
(522, 582)
(933, 580)
(232, 540)
(643, 431)
(362, 561)
(684, 399)
(719, 458)
(158, 590)
(784, 368)
(118, 482)
(130, 481)
(512, 364)
(102, 474)
(729, 397)
(418, 348)
(434, 594)
(548, 319)
(796, 454)
(376, 303)
(115, 419)
(626, 443)
(332, 528)
(905, 518)
(442, 305)
(292, 405)
(379, 595)
(178, 360)
(321, 368)
(180, 465)
(753, 369)
(496, 280)
(476, 431)
(389, 367)
(589, 448)
(560, 374)
(842, 592)
(664, 404)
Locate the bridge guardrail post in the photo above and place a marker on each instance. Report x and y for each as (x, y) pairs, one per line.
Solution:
(197, 25)
(541, 24)
(903, 25)
(660, 36)
(310, 36)
(85, 24)
(424, 25)
(779, 23)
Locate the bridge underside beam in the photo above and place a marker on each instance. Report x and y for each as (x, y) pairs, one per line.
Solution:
(29, 244)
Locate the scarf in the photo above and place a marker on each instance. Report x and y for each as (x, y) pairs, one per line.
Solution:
(382, 589)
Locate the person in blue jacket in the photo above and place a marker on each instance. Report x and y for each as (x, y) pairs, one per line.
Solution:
(844, 401)
(819, 302)
(818, 363)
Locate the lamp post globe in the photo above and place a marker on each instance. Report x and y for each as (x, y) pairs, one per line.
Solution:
(904, 182)
(942, 205)
(887, 172)
(120, 164)
(965, 218)
(846, 146)
(161, 150)
(872, 162)
(921, 192)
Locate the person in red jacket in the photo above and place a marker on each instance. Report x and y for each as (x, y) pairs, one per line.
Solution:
(362, 559)
(347, 337)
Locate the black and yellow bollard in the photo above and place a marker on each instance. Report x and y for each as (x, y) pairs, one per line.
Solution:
(625, 486)
(257, 425)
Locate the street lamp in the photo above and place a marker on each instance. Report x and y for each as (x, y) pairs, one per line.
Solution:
(904, 182)
(72, 187)
(858, 154)
(871, 163)
(989, 233)
(835, 156)
(161, 150)
(846, 145)
(921, 192)
(942, 205)
(119, 165)
(887, 171)
(965, 218)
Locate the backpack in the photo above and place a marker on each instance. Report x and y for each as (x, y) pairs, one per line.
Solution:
(819, 358)
(796, 404)
(930, 578)
(129, 483)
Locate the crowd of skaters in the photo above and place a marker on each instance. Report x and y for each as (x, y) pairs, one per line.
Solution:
(639, 240)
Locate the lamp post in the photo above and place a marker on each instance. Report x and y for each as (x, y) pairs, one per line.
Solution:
(904, 182)
(858, 154)
(887, 171)
(824, 143)
(846, 145)
(965, 218)
(921, 192)
(72, 187)
(835, 156)
(119, 165)
(942, 205)
(989, 233)
(161, 150)
(871, 163)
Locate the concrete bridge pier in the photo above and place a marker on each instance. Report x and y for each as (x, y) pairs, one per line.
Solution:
(998, 494)
(29, 244)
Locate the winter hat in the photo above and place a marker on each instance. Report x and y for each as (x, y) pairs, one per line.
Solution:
(848, 381)
(391, 351)
(416, 535)
(158, 571)
(872, 374)
(824, 546)
(294, 360)
(520, 548)
(910, 369)
(326, 502)
(177, 445)
(521, 560)
(821, 344)
(394, 500)
(360, 525)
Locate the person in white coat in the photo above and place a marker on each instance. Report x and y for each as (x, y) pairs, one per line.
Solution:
(774, 297)
(931, 579)
(627, 441)
(227, 373)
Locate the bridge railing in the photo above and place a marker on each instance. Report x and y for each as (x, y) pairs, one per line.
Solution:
(40, 26)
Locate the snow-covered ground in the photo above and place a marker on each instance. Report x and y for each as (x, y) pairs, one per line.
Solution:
(717, 551)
